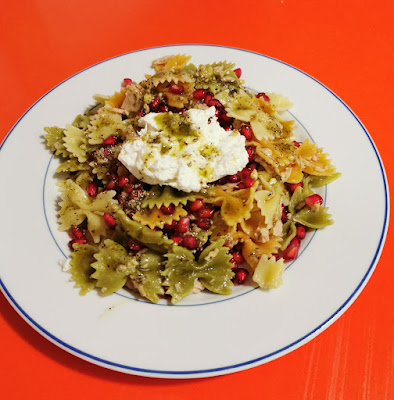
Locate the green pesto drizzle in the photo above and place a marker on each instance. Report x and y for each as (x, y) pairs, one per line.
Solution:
(176, 126)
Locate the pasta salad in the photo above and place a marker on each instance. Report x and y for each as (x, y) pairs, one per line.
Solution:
(186, 181)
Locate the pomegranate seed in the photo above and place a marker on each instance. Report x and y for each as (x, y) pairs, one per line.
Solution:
(204, 223)
(233, 178)
(240, 276)
(199, 94)
(252, 166)
(296, 144)
(263, 95)
(167, 210)
(110, 185)
(79, 241)
(224, 118)
(291, 251)
(155, 103)
(214, 102)
(249, 182)
(238, 72)
(228, 128)
(245, 173)
(140, 113)
(128, 189)
(196, 205)
(109, 220)
(126, 82)
(163, 108)
(205, 212)
(208, 98)
(246, 131)
(301, 232)
(238, 257)
(91, 189)
(75, 233)
(284, 214)
(173, 225)
(294, 186)
(123, 181)
(176, 239)
(235, 264)
(134, 245)
(183, 225)
(251, 152)
(313, 200)
(176, 89)
(190, 242)
(110, 140)
(241, 185)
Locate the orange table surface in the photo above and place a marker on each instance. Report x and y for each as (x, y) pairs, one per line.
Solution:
(347, 45)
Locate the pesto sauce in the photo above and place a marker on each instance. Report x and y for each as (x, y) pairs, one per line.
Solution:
(176, 126)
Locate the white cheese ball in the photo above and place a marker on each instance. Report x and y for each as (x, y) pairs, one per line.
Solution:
(185, 162)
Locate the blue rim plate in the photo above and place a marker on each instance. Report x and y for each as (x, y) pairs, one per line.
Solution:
(184, 342)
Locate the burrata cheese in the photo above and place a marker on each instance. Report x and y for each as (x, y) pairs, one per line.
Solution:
(183, 151)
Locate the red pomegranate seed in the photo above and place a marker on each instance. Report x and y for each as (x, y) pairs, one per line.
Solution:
(110, 185)
(155, 103)
(123, 181)
(183, 225)
(224, 118)
(75, 233)
(251, 152)
(140, 113)
(296, 144)
(291, 251)
(263, 95)
(190, 242)
(294, 186)
(238, 72)
(240, 276)
(135, 245)
(110, 140)
(246, 131)
(109, 220)
(301, 232)
(199, 94)
(79, 241)
(204, 223)
(163, 108)
(196, 205)
(252, 166)
(249, 182)
(126, 82)
(245, 173)
(235, 264)
(173, 225)
(228, 128)
(169, 210)
(233, 178)
(128, 189)
(313, 200)
(208, 98)
(284, 214)
(238, 257)
(214, 102)
(241, 185)
(91, 189)
(176, 89)
(205, 212)
(176, 239)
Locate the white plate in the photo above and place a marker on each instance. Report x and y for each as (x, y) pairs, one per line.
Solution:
(205, 335)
